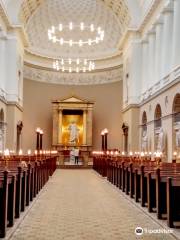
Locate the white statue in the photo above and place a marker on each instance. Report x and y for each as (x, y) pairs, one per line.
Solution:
(74, 132)
(161, 141)
(144, 141)
(178, 138)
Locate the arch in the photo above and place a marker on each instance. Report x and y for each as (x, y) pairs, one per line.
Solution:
(157, 116)
(144, 118)
(176, 108)
(144, 121)
(1, 115)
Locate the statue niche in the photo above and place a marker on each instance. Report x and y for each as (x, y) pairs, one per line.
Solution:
(72, 123)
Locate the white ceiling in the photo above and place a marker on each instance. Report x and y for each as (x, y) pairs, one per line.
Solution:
(53, 12)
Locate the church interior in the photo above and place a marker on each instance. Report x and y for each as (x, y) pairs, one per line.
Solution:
(89, 119)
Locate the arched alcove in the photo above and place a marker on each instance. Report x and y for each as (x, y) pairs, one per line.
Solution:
(157, 117)
(144, 138)
(144, 120)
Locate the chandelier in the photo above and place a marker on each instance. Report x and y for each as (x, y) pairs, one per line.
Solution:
(73, 65)
(54, 34)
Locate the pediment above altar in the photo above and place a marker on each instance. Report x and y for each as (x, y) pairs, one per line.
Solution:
(72, 99)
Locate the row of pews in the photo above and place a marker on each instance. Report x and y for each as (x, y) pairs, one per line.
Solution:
(21, 179)
(152, 183)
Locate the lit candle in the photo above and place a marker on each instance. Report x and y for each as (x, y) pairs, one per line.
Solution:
(175, 154)
(29, 152)
(142, 154)
(123, 153)
(6, 155)
(130, 153)
(6, 152)
(116, 153)
(20, 152)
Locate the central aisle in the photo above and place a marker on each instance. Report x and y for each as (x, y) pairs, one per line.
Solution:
(80, 205)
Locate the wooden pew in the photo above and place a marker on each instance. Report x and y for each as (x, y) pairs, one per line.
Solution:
(20, 184)
(173, 200)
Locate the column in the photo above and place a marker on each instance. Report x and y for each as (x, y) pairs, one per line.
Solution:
(167, 42)
(89, 127)
(2, 63)
(84, 126)
(14, 68)
(151, 58)
(158, 50)
(144, 65)
(176, 34)
(55, 138)
(60, 126)
(135, 72)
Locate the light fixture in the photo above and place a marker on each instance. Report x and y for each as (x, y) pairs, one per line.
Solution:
(73, 65)
(55, 32)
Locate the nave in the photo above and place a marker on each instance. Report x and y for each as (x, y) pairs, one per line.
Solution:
(80, 204)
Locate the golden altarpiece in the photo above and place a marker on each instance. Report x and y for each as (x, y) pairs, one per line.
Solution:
(72, 124)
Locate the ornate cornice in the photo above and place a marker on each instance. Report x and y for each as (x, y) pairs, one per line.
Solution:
(101, 77)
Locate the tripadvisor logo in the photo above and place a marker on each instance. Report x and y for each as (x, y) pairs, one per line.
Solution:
(138, 231)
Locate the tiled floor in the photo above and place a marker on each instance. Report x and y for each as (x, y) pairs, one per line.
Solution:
(80, 205)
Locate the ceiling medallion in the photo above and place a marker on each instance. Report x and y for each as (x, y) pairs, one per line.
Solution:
(96, 33)
(73, 65)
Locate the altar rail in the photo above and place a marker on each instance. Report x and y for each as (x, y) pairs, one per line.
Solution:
(152, 183)
(21, 179)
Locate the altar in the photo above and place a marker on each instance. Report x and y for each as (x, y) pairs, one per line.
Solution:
(72, 125)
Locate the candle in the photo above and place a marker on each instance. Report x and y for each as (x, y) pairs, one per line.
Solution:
(142, 154)
(29, 152)
(6, 152)
(130, 153)
(20, 152)
(175, 154)
(6, 155)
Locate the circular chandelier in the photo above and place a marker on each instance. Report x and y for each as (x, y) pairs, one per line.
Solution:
(54, 34)
(73, 65)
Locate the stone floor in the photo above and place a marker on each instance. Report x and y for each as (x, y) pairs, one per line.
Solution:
(81, 205)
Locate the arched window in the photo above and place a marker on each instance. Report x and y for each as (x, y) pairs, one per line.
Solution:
(157, 116)
(176, 108)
